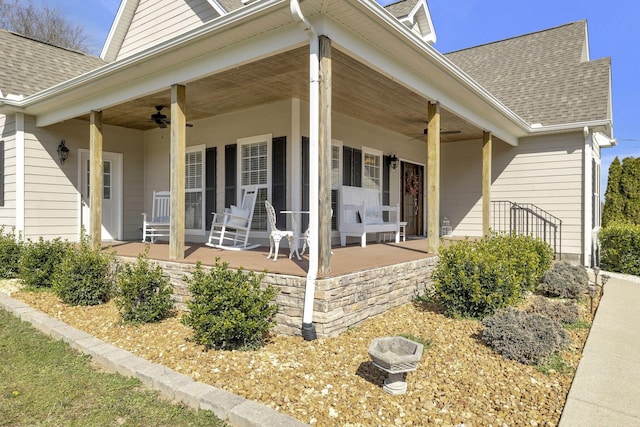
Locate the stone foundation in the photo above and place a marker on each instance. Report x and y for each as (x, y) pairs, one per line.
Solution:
(340, 302)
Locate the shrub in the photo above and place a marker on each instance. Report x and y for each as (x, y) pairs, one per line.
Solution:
(142, 293)
(620, 246)
(474, 279)
(39, 259)
(10, 252)
(84, 277)
(562, 312)
(565, 281)
(228, 309)
(528, 338)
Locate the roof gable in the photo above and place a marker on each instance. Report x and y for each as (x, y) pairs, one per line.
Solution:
(140, 24)
(545, 77)
(29, 66)
(416, 16)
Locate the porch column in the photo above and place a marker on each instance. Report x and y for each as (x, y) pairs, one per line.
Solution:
(324, 154)
(177, 167)
(487, 143)
(433, 177)
(95, 179)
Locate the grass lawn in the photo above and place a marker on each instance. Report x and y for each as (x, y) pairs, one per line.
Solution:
(45, 382)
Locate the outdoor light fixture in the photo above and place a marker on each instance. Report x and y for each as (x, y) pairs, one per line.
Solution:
(593, 291)
(605, 279)
(63, 152)
(393, 161)
(596, 271)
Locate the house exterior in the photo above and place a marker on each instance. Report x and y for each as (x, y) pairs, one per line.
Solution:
(299, 98)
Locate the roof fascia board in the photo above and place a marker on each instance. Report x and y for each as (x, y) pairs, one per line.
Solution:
(428, 53)
(173, 51)
(56, 110)
(118, 29)
(410, 78)
(216, 6)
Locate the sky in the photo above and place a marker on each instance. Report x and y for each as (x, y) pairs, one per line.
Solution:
(613, 30)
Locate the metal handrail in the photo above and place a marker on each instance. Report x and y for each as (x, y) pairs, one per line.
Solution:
(527, 219)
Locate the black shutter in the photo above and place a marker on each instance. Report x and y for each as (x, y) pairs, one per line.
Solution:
(279, 179)
(357, 168)
(1, 173)
(230, 154)
(210, 184)
(347, 166)
(305, 182)
(385, 186)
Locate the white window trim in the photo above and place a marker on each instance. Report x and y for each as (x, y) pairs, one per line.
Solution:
(373, 152)
(202, 230)
(268, 137)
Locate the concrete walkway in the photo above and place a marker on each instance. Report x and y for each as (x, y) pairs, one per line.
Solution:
(606, 387)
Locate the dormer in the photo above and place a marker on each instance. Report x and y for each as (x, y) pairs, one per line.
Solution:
(415, 15)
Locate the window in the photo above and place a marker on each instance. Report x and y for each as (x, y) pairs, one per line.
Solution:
(371, 168)
(336, 175)
(255, 170)
(194, 188)
(107, 176)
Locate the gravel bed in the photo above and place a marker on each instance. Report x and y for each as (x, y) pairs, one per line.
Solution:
(459, 381)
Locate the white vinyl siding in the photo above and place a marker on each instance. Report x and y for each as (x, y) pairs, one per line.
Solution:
(545, 171)
(156, 21)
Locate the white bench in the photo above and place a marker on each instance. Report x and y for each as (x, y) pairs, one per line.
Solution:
(360, 211)
(158, 225)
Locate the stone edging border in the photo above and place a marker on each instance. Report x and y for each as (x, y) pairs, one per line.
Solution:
(234, 409)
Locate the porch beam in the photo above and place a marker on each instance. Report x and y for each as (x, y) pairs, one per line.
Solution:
(177, 167)
(433, 177)
(95, 179)
(487, 147)
(324, 142)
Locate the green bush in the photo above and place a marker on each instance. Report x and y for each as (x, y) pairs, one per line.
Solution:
(620, 248)
(565, 312)
(143, 294)
(85, 276)
(565, 281)
(39, 259)
(528, 338)
(476, 278)
(10, 252)
(228, 309)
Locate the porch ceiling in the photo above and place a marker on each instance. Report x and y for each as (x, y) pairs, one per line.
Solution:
(358, 91)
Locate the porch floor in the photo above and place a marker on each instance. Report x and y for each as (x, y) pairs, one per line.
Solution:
(345, 260)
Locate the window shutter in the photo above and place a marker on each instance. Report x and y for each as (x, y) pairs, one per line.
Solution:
(279, 178)
(347, 166)
(210, 184)
(357, 168)
(305, 182)
(230, 154)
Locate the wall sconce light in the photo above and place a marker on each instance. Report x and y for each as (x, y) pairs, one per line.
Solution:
(393, 161)
(63, 152)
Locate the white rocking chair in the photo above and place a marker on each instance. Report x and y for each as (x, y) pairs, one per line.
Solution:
(275, 235)
(230, 229)
(158, 225)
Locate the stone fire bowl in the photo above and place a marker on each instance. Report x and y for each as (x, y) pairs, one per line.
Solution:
(395, 354)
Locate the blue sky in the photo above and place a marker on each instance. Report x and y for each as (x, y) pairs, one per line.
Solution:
(613, 29)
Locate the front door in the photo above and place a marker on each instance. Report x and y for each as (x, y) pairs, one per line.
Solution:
(111, 194)
(412, 198)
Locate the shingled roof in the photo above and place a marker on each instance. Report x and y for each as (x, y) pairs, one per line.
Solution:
(544, 77)
(401, 8)
(28, 66)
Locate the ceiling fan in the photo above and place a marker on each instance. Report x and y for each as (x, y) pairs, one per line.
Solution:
(161, 119)
(442, 132)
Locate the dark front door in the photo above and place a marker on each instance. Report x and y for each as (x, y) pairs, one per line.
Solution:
(412, 198)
